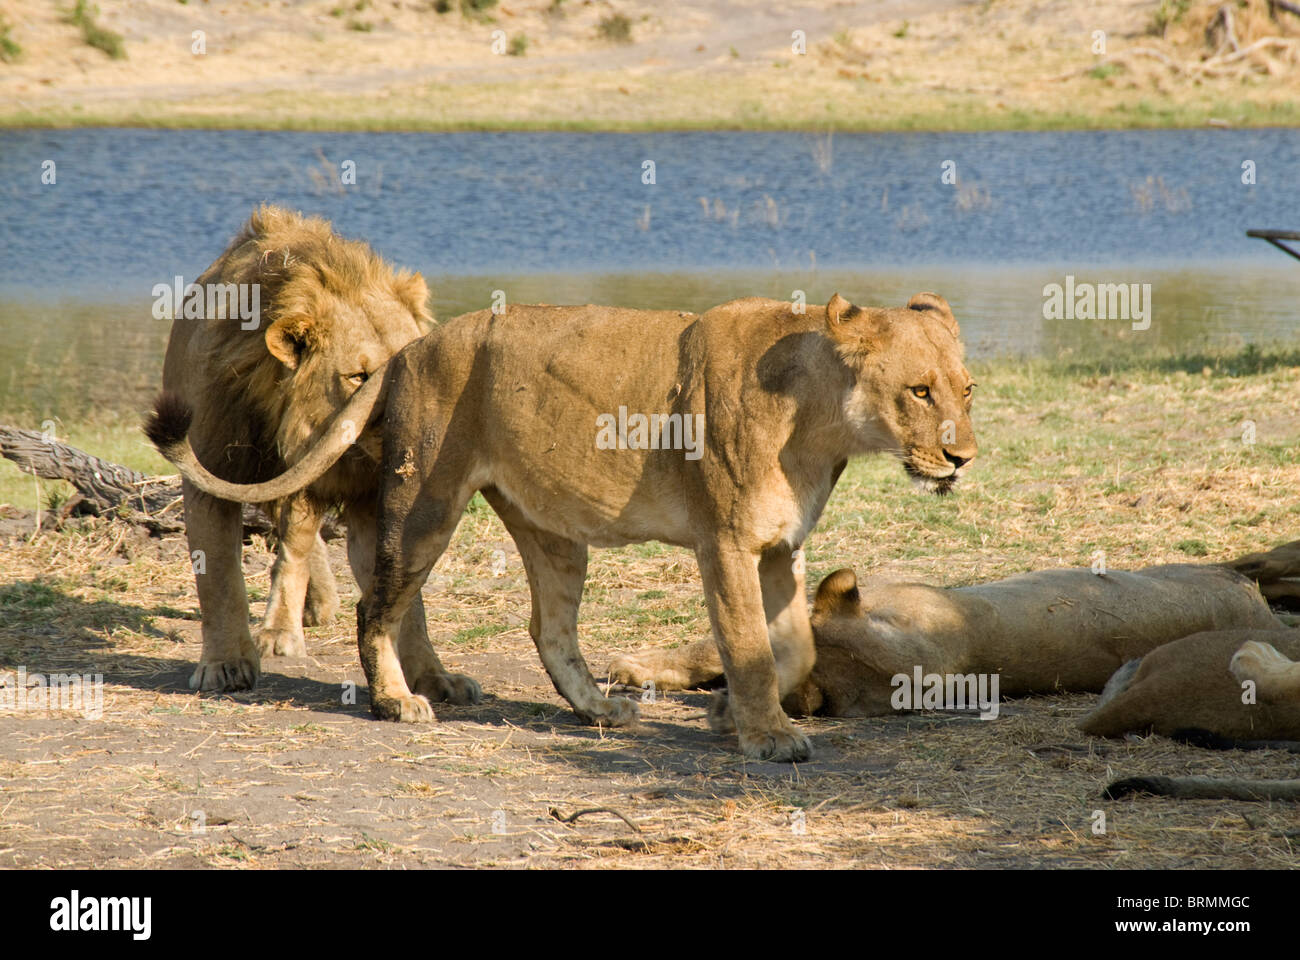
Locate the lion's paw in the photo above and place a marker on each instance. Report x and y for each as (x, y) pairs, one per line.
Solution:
(454, 688)
(317, 609)
(642, 669)
(281, 643)
(411, 708)
(613, 712)
(720, 719)
(239, 673)
(783, 745)
(781, 742)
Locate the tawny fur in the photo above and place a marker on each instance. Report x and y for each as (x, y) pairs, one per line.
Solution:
(1040, 632)
(510, 405)
(1189, 684)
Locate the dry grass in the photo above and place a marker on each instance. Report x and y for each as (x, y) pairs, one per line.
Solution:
(1145, 462)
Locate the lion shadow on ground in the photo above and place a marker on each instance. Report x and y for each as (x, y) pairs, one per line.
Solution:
(46, 629)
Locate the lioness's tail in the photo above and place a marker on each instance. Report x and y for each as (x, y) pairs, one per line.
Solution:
(1204, 788)
(168, 428)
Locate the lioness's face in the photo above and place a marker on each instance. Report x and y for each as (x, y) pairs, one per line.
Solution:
(912, 394)
(337, 347)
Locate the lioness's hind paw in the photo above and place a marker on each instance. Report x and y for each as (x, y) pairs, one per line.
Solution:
(241, 673)
(454, 688)
(412, 708)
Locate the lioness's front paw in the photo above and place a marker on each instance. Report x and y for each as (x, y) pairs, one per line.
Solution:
(782, 742)
(281, 643)
(239, 673)
(613, 712)
(411, 708)
(455, 688)
(639, 669)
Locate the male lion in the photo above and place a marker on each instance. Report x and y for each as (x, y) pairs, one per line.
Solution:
(521, 406)
(332, 313)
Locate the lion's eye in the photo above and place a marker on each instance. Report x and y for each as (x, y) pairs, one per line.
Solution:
(358, 378)
(921, 392)
(967, 392)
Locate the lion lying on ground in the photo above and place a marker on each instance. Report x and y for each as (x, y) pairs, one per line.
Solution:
(597, 425)
(1211, 688)
(1039, 632)
(262, 391)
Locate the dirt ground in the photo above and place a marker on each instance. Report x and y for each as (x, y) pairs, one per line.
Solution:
(860, 64)
(290, 775)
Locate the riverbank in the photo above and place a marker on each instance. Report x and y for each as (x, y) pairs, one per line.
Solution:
(705, 64)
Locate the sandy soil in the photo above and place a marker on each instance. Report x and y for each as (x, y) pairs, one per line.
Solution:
(694, 63)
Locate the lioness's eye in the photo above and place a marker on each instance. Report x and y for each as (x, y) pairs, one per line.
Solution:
(968, 390)
(921, 392)
(358, 378)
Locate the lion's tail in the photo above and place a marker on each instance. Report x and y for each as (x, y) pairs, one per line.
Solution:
(168, 428)
(168, 425)
(1204, 788)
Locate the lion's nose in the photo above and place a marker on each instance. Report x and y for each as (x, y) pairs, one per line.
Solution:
(957, 460)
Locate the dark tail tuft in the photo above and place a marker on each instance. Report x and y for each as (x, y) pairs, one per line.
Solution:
(169, 422)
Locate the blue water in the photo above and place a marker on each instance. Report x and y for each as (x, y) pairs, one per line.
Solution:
(135, 207)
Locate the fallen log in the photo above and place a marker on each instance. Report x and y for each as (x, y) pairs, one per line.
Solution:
(104, 487)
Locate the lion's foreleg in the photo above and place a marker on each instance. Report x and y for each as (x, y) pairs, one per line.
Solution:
(735, 597)
(214, 529)
(785, 605)
(322, 601)
(423, 671)
(298, 521)
(413, 531)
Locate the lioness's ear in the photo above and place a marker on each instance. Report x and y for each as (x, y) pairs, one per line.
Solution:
(838, 593)
(414, 292)
(287, 339)
(838, 310)
(938, 306)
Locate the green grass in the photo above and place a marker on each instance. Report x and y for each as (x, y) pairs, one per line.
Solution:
(83, 16)
(10, 49)
(615, 27)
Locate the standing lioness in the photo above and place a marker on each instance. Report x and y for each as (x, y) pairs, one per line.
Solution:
(597, 425)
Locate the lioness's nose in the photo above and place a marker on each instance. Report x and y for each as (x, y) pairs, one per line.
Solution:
(957, 460)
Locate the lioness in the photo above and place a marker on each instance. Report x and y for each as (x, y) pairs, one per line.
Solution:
(518, 406)
(1196, 688)
(1039, 632)
(522, 407)
(260, 393)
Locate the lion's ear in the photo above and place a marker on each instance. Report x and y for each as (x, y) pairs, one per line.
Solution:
(838, 594)
(287, 338)
(938, 307)
(839, 310)
(414, 292)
